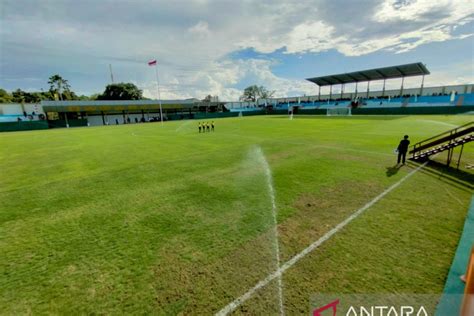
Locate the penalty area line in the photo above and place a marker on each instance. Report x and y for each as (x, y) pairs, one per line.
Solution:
(288, 264)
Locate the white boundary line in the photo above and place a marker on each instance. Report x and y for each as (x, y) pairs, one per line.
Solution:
(279, 272)
(268, 175)
(438, 122)
(185, 123)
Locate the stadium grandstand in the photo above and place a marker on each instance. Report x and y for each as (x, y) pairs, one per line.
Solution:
(451, 99)
(441, 97)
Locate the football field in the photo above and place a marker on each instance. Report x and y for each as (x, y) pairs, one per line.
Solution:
(253, 218)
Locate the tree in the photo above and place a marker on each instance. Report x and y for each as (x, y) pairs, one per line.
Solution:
(60, 86)
(20, 96)
(121, 91)
(5, 97)
(252, 93)
(94, 96)
(209, 98)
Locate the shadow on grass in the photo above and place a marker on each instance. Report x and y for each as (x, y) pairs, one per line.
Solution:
(391, 171)
(459, 178)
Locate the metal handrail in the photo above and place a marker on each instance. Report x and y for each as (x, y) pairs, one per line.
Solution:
(447, 133)
(454, 129)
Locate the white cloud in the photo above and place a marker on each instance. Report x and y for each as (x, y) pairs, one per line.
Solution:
(201, 29)
(319, 36)
(192, 40)
(223, 76)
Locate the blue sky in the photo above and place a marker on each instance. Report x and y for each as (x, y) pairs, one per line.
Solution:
(219, 47)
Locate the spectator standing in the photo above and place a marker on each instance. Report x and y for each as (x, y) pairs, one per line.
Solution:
(402, 149)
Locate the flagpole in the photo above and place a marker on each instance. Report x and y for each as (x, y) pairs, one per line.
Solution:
(159, 96)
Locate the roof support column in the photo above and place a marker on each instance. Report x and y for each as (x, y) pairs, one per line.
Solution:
(319, 93)
(330, 92)
(356, 89)
(342, 90)
(422, 83)
(401, 89)
(383, 89)
(368, 89)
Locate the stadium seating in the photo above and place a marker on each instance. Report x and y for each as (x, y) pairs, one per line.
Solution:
(377, 102)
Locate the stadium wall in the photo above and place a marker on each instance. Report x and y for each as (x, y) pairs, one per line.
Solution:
(414, 110)
(23, 126)
(72, 123)
(438, 110)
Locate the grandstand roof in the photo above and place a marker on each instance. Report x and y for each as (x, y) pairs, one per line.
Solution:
(407, 70)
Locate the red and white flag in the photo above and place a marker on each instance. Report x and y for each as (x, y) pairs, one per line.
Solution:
(152, 63)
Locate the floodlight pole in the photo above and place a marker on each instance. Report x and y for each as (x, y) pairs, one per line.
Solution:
(422, 83)
(111, 73)
(159, 96)
(401, 88)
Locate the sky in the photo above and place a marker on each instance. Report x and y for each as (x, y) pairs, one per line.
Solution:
(219, 47)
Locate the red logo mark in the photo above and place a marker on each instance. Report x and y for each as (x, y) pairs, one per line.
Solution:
(333, 305)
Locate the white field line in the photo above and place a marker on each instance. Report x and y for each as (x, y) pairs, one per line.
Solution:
(453, 196)
(268, 175)
(309, 145)
(355, 150)
(278, 273)
(185, 123)
(439, 122)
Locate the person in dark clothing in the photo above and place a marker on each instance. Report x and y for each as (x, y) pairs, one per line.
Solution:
(207, 126)
(402, 149)
(116, 121)
(212, 126)
(199, 127)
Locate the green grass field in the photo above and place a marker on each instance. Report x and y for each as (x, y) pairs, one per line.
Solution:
(160, 219)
